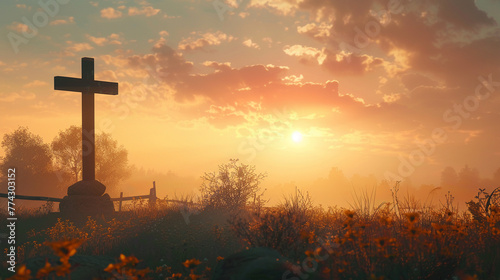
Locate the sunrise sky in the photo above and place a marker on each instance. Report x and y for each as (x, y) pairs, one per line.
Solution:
(396, 88)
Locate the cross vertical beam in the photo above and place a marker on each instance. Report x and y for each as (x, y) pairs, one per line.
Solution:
(88, 122)
(88, 87)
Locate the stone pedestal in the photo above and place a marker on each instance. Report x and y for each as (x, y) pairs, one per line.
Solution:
(94, 188)
(86, 198)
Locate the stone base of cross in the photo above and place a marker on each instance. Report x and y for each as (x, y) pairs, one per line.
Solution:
(86, 197)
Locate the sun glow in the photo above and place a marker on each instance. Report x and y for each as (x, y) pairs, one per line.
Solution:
(297, 137)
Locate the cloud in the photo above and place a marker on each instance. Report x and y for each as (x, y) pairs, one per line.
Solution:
(250, 44)
(35, 83)
(23, 6)
(338, 63)
(18, 27)
(100, 41)
(164, 63)
(112, 39)
(463, 14)
(78, 47)
(245, 91)
(453, 41)
(243, 14)
(349, 64)
(306, 54)
(203, 40)
(320, 32)
(69, 20)
(14, 96)
(106, 75)
(110, 13)
(147, 11)
(277, 6)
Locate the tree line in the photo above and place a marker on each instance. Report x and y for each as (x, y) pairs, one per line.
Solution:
(47, 169)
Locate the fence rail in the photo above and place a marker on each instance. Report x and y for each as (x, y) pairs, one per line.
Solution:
(29, 197)
(151, 196)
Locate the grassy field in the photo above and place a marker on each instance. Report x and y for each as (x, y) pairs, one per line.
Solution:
(389, 241)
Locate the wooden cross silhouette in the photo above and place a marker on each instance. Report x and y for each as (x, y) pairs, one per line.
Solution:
(87, 86)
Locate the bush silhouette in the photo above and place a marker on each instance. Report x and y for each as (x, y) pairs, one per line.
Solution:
(232, 187)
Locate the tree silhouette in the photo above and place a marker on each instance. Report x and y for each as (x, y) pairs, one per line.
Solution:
(67, 149)
(111, 159)
(449, 178)
(469, 179)
(32, 160)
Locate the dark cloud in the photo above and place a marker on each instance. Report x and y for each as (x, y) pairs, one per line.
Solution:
(349, 64)
(164, 62)
(463, 14)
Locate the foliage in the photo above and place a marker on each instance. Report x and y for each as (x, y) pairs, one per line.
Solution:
(111, 159)
(481, 208)
(23, 148)
(422, 243)
(155, 235)
(32, 159)
(67, 150)
(415, 243)
(232, 187)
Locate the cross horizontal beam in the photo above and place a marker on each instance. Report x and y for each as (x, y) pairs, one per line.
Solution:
(86, 86)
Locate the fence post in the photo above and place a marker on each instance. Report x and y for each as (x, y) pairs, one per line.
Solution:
(120, 204)
(152, 195)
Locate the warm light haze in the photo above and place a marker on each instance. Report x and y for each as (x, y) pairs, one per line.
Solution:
(327, 96)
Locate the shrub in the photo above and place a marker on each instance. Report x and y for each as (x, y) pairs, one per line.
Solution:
(232, 187)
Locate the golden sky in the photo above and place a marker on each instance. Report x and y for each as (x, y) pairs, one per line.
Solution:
(399, 89)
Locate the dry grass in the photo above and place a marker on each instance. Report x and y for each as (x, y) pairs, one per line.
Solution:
(405, 241)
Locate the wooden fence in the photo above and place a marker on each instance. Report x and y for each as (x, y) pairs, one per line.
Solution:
(151, 197)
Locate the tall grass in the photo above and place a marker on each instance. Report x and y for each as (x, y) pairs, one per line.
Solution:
(404, 239)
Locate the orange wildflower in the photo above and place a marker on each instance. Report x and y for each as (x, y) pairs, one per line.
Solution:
(177, 275)
(349, 213)
(22, 273)
(381, 242)
(65, 248)
(45, 271)
(192, 263)
(194, 276)
(412, 217)
(413, 231)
